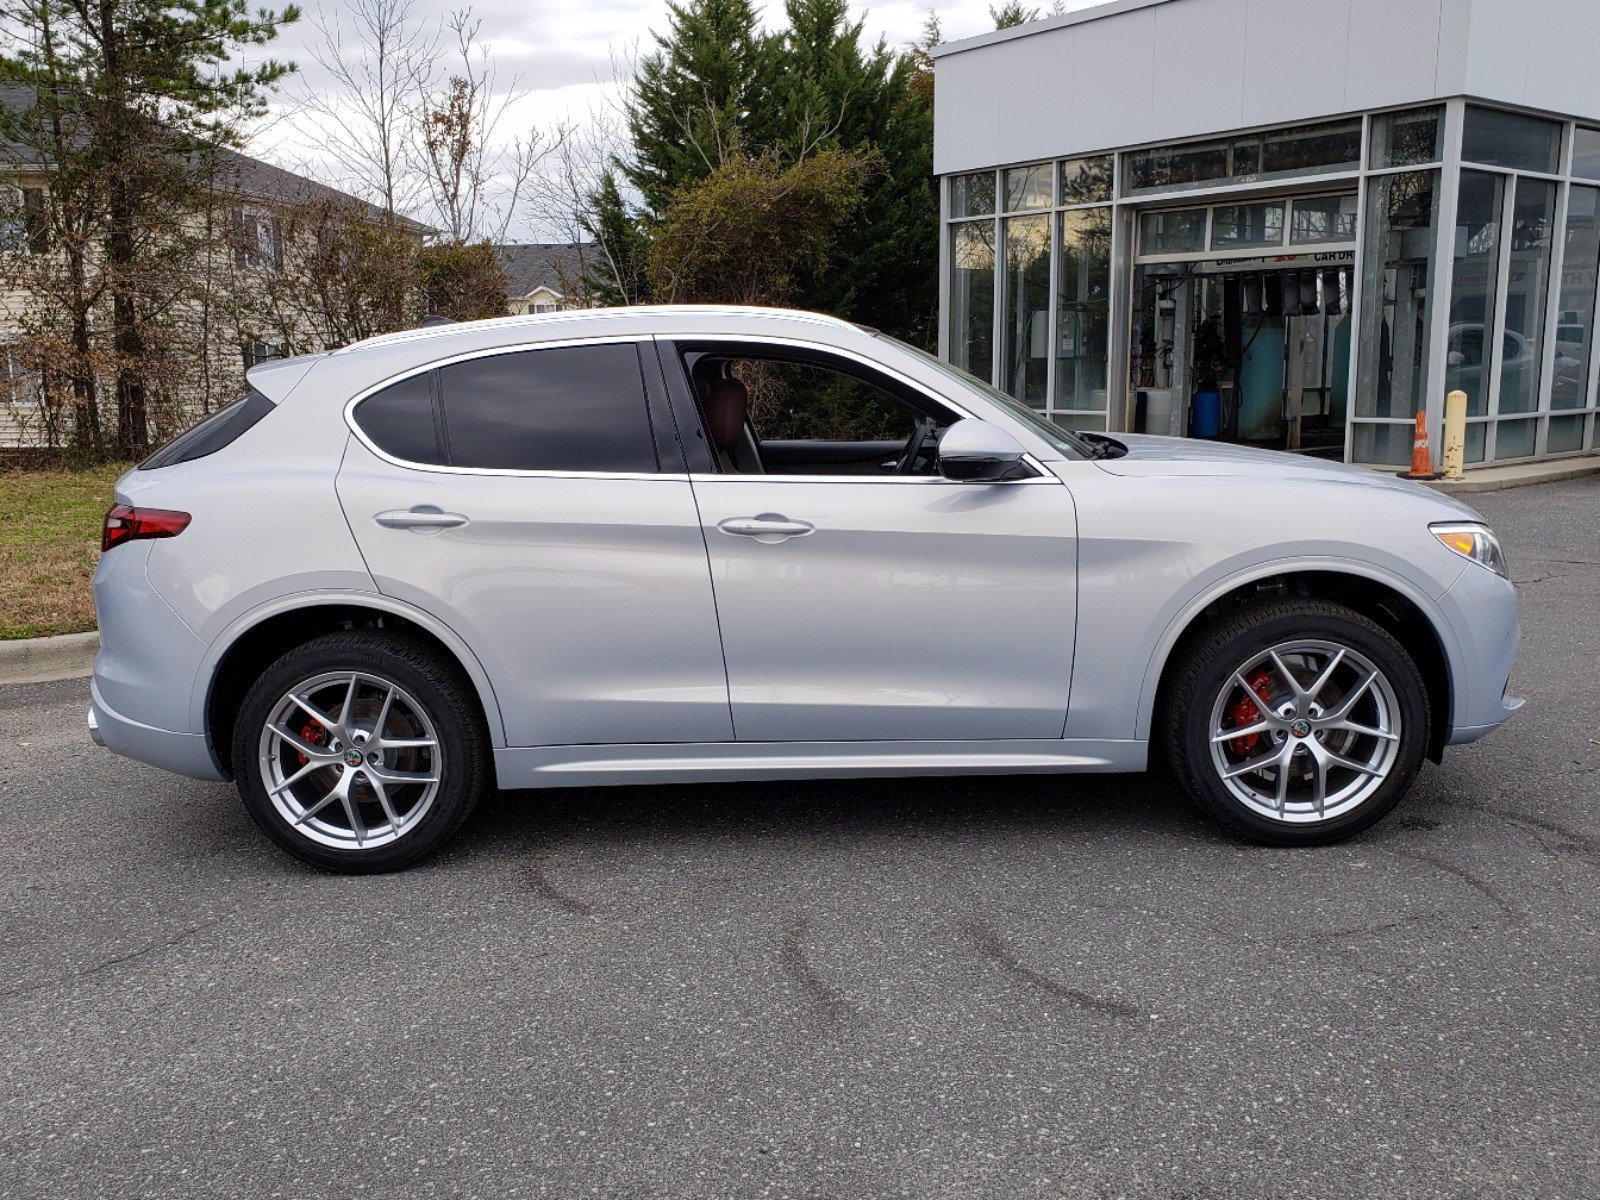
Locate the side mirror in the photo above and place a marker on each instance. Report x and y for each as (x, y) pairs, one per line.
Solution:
(976, 451)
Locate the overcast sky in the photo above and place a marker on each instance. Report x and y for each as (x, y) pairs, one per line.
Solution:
(564, 51)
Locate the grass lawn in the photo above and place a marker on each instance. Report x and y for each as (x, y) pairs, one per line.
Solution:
(49, 541)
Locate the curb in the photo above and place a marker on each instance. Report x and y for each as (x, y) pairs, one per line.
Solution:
(1515, 477)
(46, 659)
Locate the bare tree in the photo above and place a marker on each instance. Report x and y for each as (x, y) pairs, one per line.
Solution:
(380, 58)
(474, 183)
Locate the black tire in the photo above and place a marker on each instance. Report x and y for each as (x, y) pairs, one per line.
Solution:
(1206, 667)
(441, 691)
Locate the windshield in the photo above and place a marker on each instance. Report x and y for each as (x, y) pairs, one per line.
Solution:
(1062, 439)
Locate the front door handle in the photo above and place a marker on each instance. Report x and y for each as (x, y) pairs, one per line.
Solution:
(424, 516)
(766, 527)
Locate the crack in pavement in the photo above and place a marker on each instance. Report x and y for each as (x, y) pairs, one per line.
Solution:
(796, 963)
(539, 880)
(118, 960)
(991, 946)
(1483, 887)
(1590, 844)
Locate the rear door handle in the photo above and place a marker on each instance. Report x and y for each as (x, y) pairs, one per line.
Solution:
(424, 516)
(766, 527)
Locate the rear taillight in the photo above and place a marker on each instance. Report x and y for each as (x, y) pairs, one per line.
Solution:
(125, 523)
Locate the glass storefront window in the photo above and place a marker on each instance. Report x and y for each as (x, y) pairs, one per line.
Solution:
(1507, 139)
(1176, 231)
(1083, 309)
(972, 195)
(1319, 219)
(972, 297)
(1306, 150)
(1409, 138)
(1026, 319)
(1586, 153)
(1087, 180)
(1475, 278)
(1396, 303)
(1276, 153)
(1533, 214)
(1028, 187)
(1514, 439)
(1240, 225)
(1566, 433)
(1575, 328)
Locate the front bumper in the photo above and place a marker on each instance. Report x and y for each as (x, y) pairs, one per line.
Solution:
(1482, 610)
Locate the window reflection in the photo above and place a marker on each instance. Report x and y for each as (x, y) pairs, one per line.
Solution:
(972, 297)
(1083, 311)
(1396, 303)
(1027, 308)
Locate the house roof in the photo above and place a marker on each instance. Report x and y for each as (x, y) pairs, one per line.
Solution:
(533, 265)
(233, 173)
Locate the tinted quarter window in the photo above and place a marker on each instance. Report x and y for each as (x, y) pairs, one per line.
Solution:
(400, 420)
(220, 429)
(570, 408)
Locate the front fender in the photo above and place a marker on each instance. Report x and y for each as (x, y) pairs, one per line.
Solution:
(1197, 600)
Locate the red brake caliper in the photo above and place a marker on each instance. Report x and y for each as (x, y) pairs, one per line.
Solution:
(1243, 711)
(314, 733)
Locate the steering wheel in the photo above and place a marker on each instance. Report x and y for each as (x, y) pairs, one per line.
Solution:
(913, 450)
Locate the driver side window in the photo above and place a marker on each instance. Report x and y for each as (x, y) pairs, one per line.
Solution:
(803, 416)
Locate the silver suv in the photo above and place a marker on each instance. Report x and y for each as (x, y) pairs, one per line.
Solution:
(673, 544)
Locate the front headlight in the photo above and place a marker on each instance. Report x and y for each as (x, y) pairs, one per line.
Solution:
(1472, 540)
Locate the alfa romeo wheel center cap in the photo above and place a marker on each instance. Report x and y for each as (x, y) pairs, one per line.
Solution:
(352, 757)
(1300, 727)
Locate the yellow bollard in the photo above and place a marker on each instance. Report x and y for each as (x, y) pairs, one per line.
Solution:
(1455, 434)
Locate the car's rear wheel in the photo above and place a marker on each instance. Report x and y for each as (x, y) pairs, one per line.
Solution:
(1296, 722)
(360, 752)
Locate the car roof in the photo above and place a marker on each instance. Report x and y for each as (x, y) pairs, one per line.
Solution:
(642, 319)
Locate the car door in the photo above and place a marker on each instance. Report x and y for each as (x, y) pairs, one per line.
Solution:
(886, 607)
(517, 496)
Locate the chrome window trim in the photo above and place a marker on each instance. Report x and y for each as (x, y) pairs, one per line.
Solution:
(875, 364)
(635, 339)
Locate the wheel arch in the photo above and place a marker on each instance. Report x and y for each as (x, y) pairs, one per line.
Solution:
(257, 639)
(1393, 603)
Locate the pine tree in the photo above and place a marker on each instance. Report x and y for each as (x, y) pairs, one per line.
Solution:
(831, 91)
(696, 98)
(717, 89)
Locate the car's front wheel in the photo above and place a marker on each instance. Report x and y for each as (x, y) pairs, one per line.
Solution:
(360, 752)
(1297, 721)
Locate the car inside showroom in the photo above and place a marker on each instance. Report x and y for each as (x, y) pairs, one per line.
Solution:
(1291, 226)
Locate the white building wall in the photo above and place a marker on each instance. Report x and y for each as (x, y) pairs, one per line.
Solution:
(1136, 71)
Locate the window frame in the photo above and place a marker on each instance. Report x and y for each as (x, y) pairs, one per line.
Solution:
(686, 406)
(669, 457)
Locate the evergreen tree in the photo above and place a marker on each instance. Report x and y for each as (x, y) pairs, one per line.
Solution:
(696, 98)
(717, 89)
(831, 91)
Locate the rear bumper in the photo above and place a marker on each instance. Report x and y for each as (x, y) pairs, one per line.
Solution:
(182, 753)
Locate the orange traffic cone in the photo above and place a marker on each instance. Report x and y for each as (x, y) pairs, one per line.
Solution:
(1421, 455)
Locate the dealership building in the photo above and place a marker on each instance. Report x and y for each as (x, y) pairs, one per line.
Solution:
(1285, 223)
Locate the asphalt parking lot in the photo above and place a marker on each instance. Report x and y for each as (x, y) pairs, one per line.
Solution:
(982, 988)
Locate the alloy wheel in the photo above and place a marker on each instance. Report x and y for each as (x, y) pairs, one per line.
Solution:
(1305, 731)
(350, 759)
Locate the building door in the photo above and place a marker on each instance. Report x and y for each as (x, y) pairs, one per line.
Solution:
(1242, 322)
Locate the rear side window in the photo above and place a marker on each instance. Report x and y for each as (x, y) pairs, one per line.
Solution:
(213, 433)
(401, 420)
(570, 408)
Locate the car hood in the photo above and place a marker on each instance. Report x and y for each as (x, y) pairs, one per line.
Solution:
(1168, 456)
